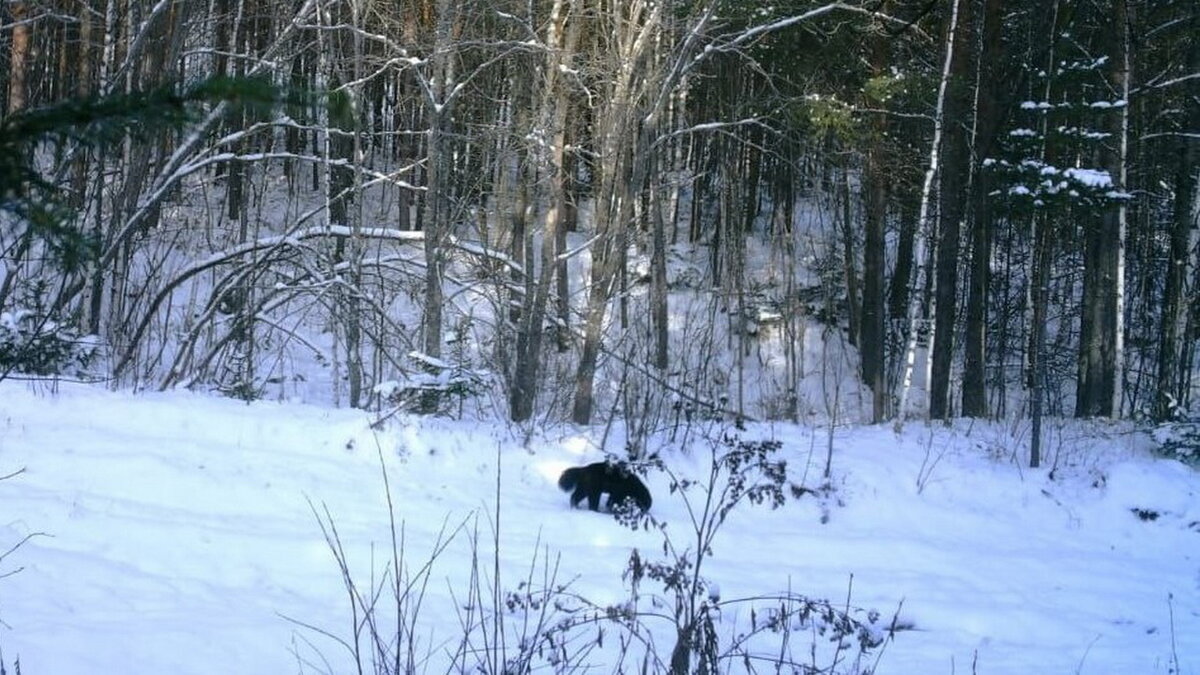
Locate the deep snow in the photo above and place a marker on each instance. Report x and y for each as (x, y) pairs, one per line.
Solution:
(179, 536)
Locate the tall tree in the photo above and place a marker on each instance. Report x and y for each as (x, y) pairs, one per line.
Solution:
(952, 192)
(921, 236)
(441, 88)
(989, 73)
(19, 51)
(1173, 345)
(626, 121)
(549, 134)
(1103, 236)
(873, 338)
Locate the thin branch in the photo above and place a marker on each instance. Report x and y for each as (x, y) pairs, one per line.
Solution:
(1171, 134)
(1171, 82)
(762, 29)
(24, 540)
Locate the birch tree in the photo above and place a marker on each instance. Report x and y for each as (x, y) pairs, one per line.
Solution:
(953, 175)
(922, 228)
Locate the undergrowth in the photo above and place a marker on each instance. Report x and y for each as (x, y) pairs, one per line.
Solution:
(672, 618)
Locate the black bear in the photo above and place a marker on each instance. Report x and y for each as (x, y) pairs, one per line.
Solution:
(590, 481)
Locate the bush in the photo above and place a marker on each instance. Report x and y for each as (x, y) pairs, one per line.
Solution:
(434, 386)
(35, 344)
(843, 640)
(1180, 440)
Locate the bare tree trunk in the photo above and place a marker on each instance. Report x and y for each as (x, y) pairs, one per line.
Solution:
(1097, 344)
(434, 220)
(923, 219)
(622, 163)
(898, 292)
(1040, 290)
(108, 83)
(952, 191)
(585, 374)
(549, 152)
(872, 342)
(351, 182)
(18, 56)
(975, 340)
(1102, 261)
(562, 276)
(659, 309)
(873, 339)
(1121, 76)
(1097, 338)
(849, 245)
(1173, 365)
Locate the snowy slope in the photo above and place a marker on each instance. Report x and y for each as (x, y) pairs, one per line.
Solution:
(180, 536)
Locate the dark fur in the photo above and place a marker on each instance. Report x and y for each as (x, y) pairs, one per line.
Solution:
(595, 479)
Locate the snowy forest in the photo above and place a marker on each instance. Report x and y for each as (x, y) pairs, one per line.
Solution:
(584, 210)
(883, 314)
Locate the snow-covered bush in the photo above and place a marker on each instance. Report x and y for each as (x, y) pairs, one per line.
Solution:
(433, 387)
(1180, 440)
(35, 344)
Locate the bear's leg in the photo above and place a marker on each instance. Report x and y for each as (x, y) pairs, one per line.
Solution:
(577, 496)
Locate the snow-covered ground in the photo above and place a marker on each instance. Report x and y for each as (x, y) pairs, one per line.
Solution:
(180, 535)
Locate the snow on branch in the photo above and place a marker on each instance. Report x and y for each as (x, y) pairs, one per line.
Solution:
(750, 34)
(175, 168)
(1174, 81)
(1172, 134)
(710, 126)
(367, 35)
(483, 251)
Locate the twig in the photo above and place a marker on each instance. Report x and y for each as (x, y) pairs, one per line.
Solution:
(1174, 649)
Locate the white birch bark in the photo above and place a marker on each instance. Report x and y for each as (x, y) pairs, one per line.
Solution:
(1122, 218)
(922, 236)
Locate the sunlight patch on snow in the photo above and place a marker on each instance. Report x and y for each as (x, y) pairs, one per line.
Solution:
(601, 540)
(578, 446)
(550, 469)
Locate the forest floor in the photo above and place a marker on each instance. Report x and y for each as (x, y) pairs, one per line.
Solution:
(182, 533)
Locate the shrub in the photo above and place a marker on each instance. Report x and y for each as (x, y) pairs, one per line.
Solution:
(1179, 440)
(35, 344)
(434, 386)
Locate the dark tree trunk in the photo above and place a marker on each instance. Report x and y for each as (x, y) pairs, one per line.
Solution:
(659, 307)
(872, 342)
(1173, 365)
(848, 247)
(955, 169)
(902, 274)
(1097, 365)
(1037, 367)
(18, 56)
(974, 391)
